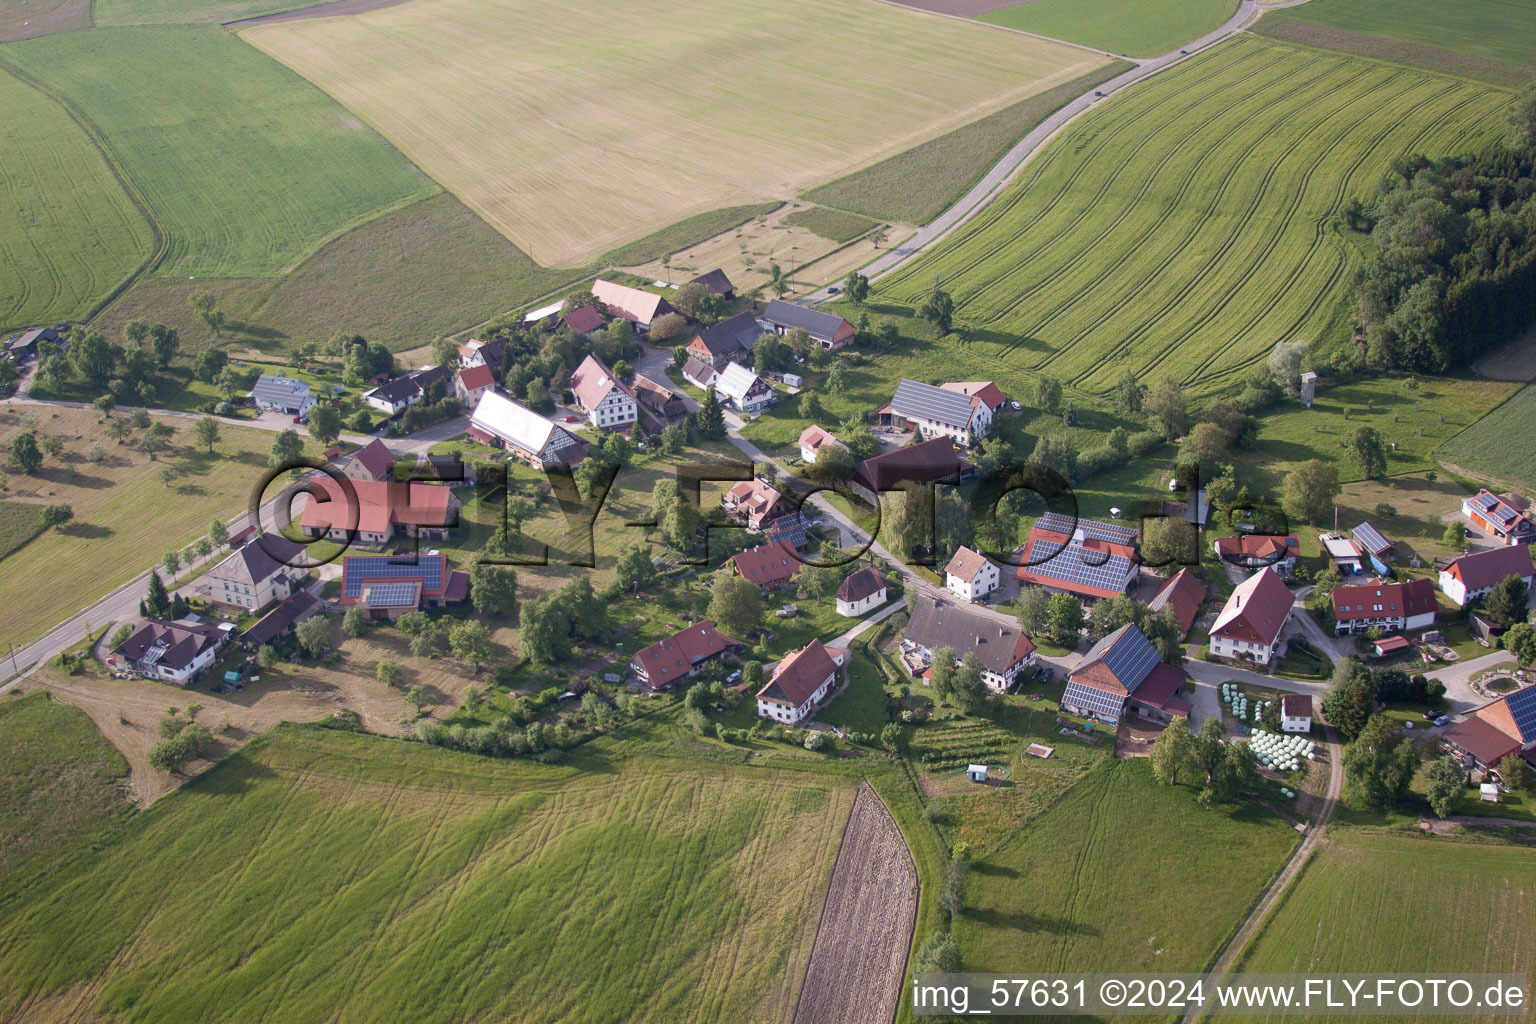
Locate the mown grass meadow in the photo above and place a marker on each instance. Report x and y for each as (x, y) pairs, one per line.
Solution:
(1143, 29)
(1496, 29)
(1498, 446)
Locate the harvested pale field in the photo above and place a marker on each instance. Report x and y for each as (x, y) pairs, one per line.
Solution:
(574, 129)
(860, 956)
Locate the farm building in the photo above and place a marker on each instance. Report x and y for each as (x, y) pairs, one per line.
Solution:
(680, 656)
(394, 397)
(970, 575)
(700, 373)
(281, 394)
(727, 341)
(936, 412)
(277, 622)
(827, 330)
(582, 320)
(1386, 606)
(861, 591)
(445, 469)
(1003, 649)
(1389, 645)
(373, 461)
(924, 463)
(1494, 731)
(639, 307)
(1184, 593)
(25, 346)
(659, 399)
(983, 391)
(536, 440)
(1505, 517)
(472, 382)
(607, 401)
(812, 440)
(1472, 576)
(976, 772)
(1371, 541)
(475, 352)
(1123, 673)
(1258, 550)
(265, 569)
(768, 566)
(1252, 621)
(375, 512)
(799, 683)
(542, 313)
(755, 504)
(716, 283)
(1296, 713)
(173, 652)
(793, 529)
(1079, 556)
(1343, 553)
(388, 586)
(743, 389)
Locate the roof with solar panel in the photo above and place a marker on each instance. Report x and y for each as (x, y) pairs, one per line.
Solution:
(1522, 708)
(391, 595)
(1371, 539)
(358, 570)
(1081, 556)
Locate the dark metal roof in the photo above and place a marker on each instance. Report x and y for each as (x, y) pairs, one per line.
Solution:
(788, 316)
(1127, 653)
(916, 400)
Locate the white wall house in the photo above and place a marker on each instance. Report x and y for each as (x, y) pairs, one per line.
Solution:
(861, 592)
(935, 412)
(281, 394)
(1296, 713)
(1251, 625)
(971, 575)
(1472, 576)
(395, 397)
(800, 682)
(608, 403)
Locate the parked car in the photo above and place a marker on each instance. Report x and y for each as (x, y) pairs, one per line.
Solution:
(573, 419)
(1443, 720)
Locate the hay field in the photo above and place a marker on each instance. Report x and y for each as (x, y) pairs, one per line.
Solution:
(1497, 29)
(318, 875)
(1498, 446)
(68, 233)
(1143, 28)
(574, 129)
(1184, 228)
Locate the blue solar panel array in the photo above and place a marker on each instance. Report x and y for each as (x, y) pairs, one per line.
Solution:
(1058, 523)
(1131, 658)
(391, 595)
(1522, 705)
(1098, 701)
(1371, 538)
(790, 528)
(357, 568)
(1494, 509)
(1075, 564)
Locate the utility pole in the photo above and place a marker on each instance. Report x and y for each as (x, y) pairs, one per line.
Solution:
(14, 669)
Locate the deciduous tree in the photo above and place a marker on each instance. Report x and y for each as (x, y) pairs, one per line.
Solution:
(1172, 751)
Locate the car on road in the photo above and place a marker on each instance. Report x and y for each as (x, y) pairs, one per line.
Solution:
(834, 289)
(573, 419)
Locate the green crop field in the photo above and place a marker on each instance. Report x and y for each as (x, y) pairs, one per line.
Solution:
(160, 12)
(1145, 28)
(1183, 229)
(830, 224)
(1497, 447)
(1382, 902)
(1497, 29)
(247, 167)
(68, 233)
(61, 784)
(1120, 874)
(320, 875)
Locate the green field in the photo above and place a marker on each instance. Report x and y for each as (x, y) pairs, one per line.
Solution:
(833, 225)
(1381, 902)
(61, 784)
(160, 12)
(247, 167)
(1497, 29)
(1120, 875)
(916, 186)
(319, 875)
(20, 521)
(1183, 228)
(1497, 447)
(68, 232)
(1145, 28)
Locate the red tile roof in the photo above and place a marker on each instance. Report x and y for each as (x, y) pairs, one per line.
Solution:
(1160, 689)
(630, 303)
(966, 564)
(1415, 597)
(1387, 645)
(1253, 546)
(1296, 705)
(477, 377)
(380, 505)
(377, 459)
(799, 676)
(1485, 568)
(1184, 593)
(978, 390)
(862, 584)
(666, 661)
(1256, 611)
(767, 565)
(592, 382)
(813, 437)
(1482, 739)
(584, 320)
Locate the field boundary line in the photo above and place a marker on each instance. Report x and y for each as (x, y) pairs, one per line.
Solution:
(1020, 31)
(159, 239)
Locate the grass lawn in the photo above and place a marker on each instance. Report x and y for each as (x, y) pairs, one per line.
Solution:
(248, 168)
(1074, 891)
(1418, 503)
(1243, 256)
(830, 224)
(68, 232)
(1381, 902)
(1494, 447)
(561, 176)
(125, 518)
(916, 186)
(61, 784)
(424, 880)
(1497, 29)
(860, 708)
(20, 521)
(1143, 29)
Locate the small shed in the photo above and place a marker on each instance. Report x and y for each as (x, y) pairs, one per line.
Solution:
(1490, 792)
(1390, 645)
(1308, 389)
(976, 772)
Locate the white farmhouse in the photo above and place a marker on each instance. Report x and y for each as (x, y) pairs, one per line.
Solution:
(800, 683)
(971, 575)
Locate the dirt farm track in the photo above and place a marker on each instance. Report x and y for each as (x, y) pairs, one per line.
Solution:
(860, 953)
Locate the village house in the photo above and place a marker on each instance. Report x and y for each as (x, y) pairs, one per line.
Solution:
(1184, 593)
(680, 656)
(1255, 551)
(475, 352)
(728, 341)
(827, 330)
(1472, 576)
(937, 412)
(742, 389)
(1504, 517)
(607, 401)
(388, 586)
(276, 624)
(378, 511)
(1001, 647)
(582, 320)
(172, 652)
(1122, 673)
(799, 683)
(1390, 607)
(264, 570)
(281, 394)
(534, 439)
(1079, 556)
(863, 591)
(373, 461)
(812, 440)
(767, 566)
(639, 307)
(716, 283)
(970, 575)
(700, 373)
(472, 382)
(983, 391)
(394, 397)
(755, 504)
(659, 399)
(926, 462)
(1296, 713)
(1252, 621)
(1494, 731)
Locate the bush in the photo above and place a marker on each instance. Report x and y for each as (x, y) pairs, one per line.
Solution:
(668, 325)
(815, 740)
(1142, 442)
